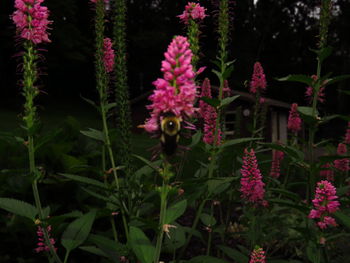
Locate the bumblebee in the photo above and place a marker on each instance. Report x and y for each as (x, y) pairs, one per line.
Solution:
(170, 126)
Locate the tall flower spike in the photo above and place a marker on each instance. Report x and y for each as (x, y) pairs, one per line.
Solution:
(347, 135)
(257, 255)
(277, 157)
(294, 121)
(176, 91)
(108, 55)
(258, 82)
(342, 164)
(325, 204)
(31, 20)
(252, 186)
(209, 116)
(192, 11)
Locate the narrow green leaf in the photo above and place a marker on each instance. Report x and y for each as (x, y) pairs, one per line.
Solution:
(175, 211)
(93, 250)
(218, 74)
(303, 209)
(298, 78)
(306, 111)
(94, 134)
(77, 231)
(150, 164)
(347, 92)
(227, 101)
(18, 207)
(238, 141)
(84, 180)
(337, 79)
(286, 193)
(141, 245)
(234, 254)
(211, 101)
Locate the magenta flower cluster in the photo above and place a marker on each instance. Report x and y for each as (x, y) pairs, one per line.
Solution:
(257, 256)
(108, 54)
(347, 135)
(258, 82)
(176, 91)
(277, 157)
(192, 11)
(41, 244)
(31, 20)
(327, 172)
(342, 164)
(325, 204)
(209, 115)
(294, 121)
(252, 186)
(309, 93)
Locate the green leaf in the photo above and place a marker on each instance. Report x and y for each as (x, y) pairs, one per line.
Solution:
(109, 247)
(303, 209)
(196, 139)
(150, 164)
(228, 71)
(238, 141)
(288, 150)
(175, 211)
(93, 250)
(207, 259)
(234, 254)
(323, 53)
(77, 231)
(228, 100)
(141, 246)
(218, 185)
(110, 106)
(84, 180)
(90, 102)
(343, 218)
(18, 207)
(298, 78)
(218, 74)
(307, 111)
(286, 193)
(207, 220)
(211, 101)
(311, 252)
(347, 92)
(177, 239)
(337, 79)
(94, 134)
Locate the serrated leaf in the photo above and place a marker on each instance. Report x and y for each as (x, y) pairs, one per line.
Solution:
(84, 180)
(141, 245)
(207, 220)
(18, 207)
(228, 100)
(94, 134)
(234, 254)
(175, 211)
(298, 78)
(77, 231)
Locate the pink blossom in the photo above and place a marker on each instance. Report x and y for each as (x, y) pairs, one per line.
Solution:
(209, 115)
(176, 91)
(95, 1)
(192, 11)
(325, 204)
(347, 135)
(31, 20)
(327, 173)
(108, 55)
(257, 256)
(294, 121)
(252, 186)
(41, 240)
(309, 93)
(342, 164)
(277, 157)
(258, 82)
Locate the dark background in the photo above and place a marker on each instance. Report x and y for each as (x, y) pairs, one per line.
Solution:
(278, 33)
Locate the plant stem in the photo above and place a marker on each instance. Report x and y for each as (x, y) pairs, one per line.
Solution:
(210, 231)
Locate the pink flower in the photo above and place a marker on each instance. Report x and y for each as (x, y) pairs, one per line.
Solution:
(192, 11)
(176, 91)
(277, 157)
(347, 135)
(252, 186)
(209, 115)
(31, 20)
(309, 93)
(41, 241)
(325, 204)
(342, 164)
(258, 82)
(108, 55)
(95, 1)
(257, 255)
(294, 121)
(327, 172)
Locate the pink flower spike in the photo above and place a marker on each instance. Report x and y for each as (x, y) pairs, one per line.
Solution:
(258, 82)
(342, 164)
(257, 255)
(108, 55)
(192, 11)
(31, 20)
(41, 245)
(325, 204)
(294, 121)
(252, 186)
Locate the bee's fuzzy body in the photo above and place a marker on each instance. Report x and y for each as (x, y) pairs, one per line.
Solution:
(170, 126)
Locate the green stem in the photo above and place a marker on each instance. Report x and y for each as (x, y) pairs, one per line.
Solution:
(66, 256)
(210, 230)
